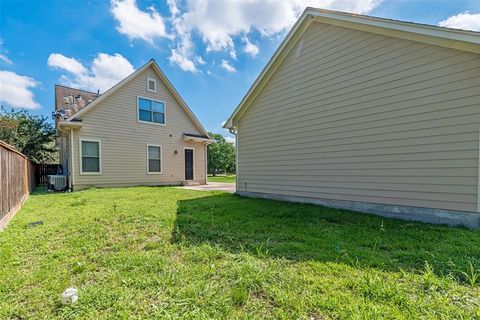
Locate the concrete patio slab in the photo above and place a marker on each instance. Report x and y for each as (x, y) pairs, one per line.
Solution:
(213, 186)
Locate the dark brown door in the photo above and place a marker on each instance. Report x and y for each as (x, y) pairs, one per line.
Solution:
(188, 164)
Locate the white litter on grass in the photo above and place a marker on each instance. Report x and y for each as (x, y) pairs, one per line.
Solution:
(70, 296)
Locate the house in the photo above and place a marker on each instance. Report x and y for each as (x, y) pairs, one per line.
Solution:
(368, 114)
(139, 132)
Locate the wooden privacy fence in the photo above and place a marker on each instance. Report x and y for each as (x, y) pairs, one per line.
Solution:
(17, 180)
(43, 170)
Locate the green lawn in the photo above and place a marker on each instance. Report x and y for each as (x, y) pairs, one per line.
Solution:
(174, 253)
(227, 179)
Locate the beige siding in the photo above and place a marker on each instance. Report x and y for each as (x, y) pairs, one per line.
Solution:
(355, 116)
(124, 140)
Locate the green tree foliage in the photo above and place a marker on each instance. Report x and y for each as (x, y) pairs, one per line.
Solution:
(221, 155)
(32, 135)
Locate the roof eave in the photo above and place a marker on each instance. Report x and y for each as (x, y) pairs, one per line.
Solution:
(196, 139)
(110, 91)
(180, 100)
(298, 28)
(450, 38)
(169, 85)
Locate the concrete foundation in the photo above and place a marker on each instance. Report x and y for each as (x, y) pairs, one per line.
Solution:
(429, 215)
(78, 187)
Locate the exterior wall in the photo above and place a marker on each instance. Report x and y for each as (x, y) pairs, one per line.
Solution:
(124, 140)
(359, 117)
(63, 151)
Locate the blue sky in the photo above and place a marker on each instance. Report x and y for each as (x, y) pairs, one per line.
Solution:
(211, 51)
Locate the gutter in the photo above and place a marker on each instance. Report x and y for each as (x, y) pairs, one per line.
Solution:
(70, 172)
(71, 124)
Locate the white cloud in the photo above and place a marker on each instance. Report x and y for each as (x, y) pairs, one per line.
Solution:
(15, 90)
(56, 60)
(182, 61)
(137, 24)
(5, 59)
(183, 55)
(465, 20)
(3, 56)
(230, 139)
(173, 6)
(250, 48)
(200, 60)
(219, 24)
(225, 65)
(105, 71)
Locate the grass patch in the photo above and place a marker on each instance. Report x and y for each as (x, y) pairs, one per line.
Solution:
(225, 179)
(173, 253)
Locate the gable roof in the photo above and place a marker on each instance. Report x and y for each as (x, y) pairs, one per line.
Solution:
(119, 85)
(451, 38)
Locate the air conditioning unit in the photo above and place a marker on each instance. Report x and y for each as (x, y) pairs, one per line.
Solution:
(57, 182)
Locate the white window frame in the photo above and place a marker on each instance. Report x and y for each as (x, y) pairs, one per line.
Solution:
(161, 159)
(155, 85)
(193, 155)
(80, 140)
(151, 122)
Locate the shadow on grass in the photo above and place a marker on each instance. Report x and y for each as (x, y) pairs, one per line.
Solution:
(302, 232)
(39, 191)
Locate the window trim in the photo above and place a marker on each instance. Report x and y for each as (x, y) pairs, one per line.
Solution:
(148, 87)
(151, 122)
(161, 159)
(80, 140)
(193, 156)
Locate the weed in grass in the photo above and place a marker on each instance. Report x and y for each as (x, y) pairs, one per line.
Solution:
(376, 288)
(78, 267)
(377, 239)
(472, 274)
(78, 202)
(260, 250)
(352, 261)
(239, 296)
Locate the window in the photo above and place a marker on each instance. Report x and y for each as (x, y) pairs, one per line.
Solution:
(90, 157)
(154, 159)
(151, 85)
(151, 111)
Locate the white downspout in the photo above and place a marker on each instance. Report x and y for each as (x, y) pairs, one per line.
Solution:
(206, 163)
(70, 172)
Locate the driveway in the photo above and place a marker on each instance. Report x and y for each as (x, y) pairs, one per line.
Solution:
(213, 186)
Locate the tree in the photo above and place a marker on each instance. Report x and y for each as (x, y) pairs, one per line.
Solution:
(221, 155)
(32, 135)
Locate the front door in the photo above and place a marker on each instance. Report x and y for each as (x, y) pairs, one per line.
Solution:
(188, 164)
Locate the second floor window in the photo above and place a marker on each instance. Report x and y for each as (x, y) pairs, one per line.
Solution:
(151, 111)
